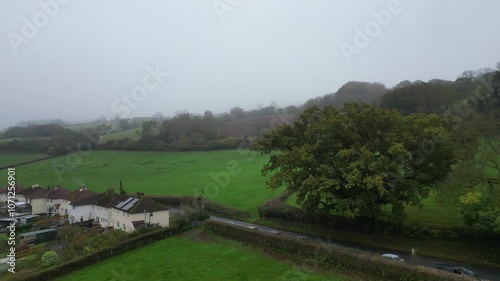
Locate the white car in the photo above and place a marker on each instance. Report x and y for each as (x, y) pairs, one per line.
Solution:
(393, 257)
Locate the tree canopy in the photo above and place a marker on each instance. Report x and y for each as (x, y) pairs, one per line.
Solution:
(357, 159)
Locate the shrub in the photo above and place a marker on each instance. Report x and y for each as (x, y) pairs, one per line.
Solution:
(480, 213)
(22, 247)
(50, 258)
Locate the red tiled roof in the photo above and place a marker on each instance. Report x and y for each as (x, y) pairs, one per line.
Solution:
(34, 192)
(5, 189)
(78, 194)
(112, 200)
(57, 193)
(148, 205)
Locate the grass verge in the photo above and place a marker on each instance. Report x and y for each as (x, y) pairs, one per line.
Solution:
(194, 256)
(486, 254)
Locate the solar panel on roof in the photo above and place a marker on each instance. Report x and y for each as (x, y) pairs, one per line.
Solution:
(121, 204)
(129, 205)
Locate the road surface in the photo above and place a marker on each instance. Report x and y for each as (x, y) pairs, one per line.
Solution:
(484, 272)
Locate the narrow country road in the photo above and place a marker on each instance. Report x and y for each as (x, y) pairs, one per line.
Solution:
(484, 272)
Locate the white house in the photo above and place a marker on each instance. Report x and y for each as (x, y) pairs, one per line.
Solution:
(35, 196)
(119, 211)
(80, 213)
(65, 208)
(4, 193)
(54, 198)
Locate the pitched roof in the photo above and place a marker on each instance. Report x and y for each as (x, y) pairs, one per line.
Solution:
(5, 189)
(57, 193)
(78, 194)
(138, 224)
(34, 192)
(147, 205)
(131, 205)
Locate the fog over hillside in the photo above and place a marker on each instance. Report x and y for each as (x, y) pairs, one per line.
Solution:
(78, 60)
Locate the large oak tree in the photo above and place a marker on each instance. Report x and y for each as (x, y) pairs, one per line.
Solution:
(355, 160)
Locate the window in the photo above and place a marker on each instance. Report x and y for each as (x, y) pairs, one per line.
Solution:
(118, 224)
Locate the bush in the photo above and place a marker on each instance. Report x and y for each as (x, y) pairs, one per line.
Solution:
(22, 247)
(480, 212)
(50, 258)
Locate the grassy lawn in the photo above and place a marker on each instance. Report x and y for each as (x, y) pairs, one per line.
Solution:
(14, 157)
(195, 257)
(434, 212)
(132, 134)
(168, 173)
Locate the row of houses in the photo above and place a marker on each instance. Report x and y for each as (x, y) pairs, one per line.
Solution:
(108, 209)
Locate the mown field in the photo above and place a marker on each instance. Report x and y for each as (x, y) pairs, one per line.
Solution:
(433, 212)
(197, 257)
(230, 177)
(9, 158)
(132, 134)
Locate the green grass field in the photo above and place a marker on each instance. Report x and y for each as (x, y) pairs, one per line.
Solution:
(81, 126)
(10, 157)
(433, 212)
(192, 258)
(132, 134)
(23, 138)
(168, 173)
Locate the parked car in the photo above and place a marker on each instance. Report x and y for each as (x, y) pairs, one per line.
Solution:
(301, 237)
(392, 257)
(458, 270)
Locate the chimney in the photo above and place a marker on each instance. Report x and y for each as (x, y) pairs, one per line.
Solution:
(110, 191)
(121, 187)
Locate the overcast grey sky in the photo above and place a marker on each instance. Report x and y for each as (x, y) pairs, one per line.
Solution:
(80, 59)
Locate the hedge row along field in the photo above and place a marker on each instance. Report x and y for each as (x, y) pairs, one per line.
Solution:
(336, 258)
(208, 206)
(277, 208)
(99, 256)
(229, 177)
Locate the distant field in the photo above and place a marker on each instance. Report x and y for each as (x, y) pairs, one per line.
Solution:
(9, 158)
(23, 138)
(132, 134)
(81, 126)
(174, 173)
(188, 259)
